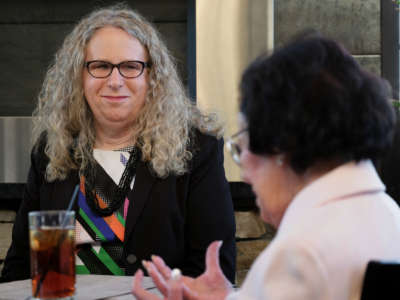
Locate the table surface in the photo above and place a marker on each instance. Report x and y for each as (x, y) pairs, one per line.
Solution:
(88, 287)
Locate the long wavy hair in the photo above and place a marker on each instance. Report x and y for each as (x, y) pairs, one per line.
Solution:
(163, 128)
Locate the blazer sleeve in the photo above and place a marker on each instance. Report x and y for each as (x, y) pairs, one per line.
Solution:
(301, 269)
(209, 211)
(17, 262)
(290, 271)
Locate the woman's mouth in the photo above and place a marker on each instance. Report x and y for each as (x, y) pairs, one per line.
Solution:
(115, 98)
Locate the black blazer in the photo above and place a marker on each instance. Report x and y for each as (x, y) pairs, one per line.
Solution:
(176, 217)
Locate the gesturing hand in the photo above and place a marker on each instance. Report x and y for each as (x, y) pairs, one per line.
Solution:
(212, 284)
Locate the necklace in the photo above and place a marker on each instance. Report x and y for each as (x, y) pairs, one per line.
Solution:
(118, 193)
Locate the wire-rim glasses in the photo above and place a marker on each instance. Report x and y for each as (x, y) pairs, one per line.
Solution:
(233, 146)
(127, 69)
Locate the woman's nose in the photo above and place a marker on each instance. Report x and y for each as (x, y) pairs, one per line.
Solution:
(115, 80)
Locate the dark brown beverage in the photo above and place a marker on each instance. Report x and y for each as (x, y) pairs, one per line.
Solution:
(52, 263)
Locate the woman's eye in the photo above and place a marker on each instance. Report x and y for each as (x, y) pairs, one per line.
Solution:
(133, 66)
(102, 66)
(99, 66)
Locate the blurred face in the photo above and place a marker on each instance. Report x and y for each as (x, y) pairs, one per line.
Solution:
(268, 179)
(115, 101)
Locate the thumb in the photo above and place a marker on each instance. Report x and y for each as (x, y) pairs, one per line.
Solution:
(212, 257)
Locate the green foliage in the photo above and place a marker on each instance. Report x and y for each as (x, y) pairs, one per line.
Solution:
(396, 103)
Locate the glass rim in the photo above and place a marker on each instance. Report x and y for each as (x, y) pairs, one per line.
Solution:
(51, 212)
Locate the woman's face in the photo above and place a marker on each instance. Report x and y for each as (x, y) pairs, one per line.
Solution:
(269, 180)
(115, 101)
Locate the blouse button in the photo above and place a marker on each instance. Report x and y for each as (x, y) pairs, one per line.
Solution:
(131, 258)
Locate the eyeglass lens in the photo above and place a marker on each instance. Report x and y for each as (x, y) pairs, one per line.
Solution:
(236, 149)
(102, 69)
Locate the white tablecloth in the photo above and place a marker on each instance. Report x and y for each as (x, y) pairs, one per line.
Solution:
(88, 287)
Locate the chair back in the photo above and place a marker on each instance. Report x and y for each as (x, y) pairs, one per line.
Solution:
(381, 281)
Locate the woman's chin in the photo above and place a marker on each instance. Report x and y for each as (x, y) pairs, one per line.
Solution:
(118, 118)
(260, 208)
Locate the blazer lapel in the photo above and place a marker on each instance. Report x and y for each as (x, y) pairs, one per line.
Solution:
(138, 196)
(61, 191)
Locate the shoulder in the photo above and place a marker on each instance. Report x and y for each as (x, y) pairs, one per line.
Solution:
(204, 145)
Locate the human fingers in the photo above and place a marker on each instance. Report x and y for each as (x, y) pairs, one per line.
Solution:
(212, 257)
(138, 291)
(175, 288)
(161, 266)
(166, 271)
(157, 277)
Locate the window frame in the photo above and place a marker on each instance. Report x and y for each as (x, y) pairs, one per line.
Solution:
(390, 66)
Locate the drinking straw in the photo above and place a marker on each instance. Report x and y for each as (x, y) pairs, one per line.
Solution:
(63, 224)
(71, 203)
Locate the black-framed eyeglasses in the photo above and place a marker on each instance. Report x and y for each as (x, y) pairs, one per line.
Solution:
(127, 69)
(233, 146)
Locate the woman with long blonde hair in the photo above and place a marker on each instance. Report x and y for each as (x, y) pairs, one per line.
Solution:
(113, 117)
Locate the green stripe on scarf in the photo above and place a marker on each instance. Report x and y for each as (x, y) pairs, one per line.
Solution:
(81, 269)
(120, 218)
(91, 225)
(108, 262)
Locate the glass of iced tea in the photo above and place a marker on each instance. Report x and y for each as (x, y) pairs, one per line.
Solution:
(52, 254)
